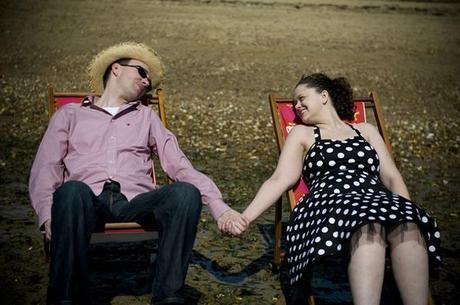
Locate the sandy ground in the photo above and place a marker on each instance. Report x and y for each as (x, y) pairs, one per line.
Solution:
(222, 59)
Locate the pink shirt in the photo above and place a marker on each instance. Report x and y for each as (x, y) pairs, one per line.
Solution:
(85, 143)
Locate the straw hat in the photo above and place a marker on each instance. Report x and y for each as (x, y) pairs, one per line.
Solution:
(131, 50)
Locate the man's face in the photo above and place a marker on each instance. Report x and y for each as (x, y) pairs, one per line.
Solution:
(134, 78)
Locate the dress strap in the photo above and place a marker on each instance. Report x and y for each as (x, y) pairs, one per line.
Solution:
(355, 129)
(317, 134)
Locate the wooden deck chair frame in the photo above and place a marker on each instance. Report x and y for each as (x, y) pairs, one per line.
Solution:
(57, 99)
(283, 122)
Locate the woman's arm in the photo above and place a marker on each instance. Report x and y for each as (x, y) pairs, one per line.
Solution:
(389, 173)
(286, 174)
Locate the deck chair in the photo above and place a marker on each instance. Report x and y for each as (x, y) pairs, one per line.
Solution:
(123, 231)
(367, 109)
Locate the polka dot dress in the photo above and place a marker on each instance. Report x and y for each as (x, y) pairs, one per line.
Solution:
(345, 194)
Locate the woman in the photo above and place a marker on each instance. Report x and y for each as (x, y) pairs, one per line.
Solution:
(357, 204)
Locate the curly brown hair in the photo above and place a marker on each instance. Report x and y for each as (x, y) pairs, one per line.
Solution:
(339, 90)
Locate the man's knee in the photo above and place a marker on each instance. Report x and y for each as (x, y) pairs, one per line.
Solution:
(73, 187)
(72, 195)
(186, 196)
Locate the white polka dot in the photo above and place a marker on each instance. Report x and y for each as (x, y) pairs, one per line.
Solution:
(324, 230)
(329, 150)
(321, 252)
(437, 234)
(424, 219)
(317, 239)
(370, 161)
(319, 163)
(340, 155)
(328, 243)
(331, 163)
(360, 154)
(335, 234)
(339, 247)
(331, 220)
(432, 248)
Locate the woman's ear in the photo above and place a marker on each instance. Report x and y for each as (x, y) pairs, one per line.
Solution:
(324, 97)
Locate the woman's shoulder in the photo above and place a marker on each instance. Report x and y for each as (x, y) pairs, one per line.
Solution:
(365, 128)
(303, 129)
(368, 131)
(304, 133)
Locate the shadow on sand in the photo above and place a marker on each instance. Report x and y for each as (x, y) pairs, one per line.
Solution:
(124, 269)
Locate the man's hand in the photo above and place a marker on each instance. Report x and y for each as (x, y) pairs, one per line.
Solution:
(47, 226)
(232, 222)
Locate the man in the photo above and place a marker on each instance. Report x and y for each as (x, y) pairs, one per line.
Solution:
(93, 166)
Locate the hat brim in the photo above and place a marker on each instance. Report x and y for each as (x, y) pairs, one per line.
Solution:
(131, 50)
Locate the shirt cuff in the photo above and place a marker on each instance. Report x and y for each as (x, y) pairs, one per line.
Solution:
(217, 208)
(43, 215)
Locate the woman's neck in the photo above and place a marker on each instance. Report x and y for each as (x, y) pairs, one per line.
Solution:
(330, 121)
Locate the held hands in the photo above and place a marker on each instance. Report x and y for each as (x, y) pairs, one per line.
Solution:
(232, 222)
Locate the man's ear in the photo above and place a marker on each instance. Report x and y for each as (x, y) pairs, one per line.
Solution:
(115, 69)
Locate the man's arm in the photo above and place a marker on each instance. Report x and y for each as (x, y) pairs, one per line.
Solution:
(47, 172)
(179, 168)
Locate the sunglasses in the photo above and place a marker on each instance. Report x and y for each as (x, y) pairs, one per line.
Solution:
(142, 74)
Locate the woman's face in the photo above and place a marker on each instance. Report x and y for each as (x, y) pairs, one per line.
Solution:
(308, 102)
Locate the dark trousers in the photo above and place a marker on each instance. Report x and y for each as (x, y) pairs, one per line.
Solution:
(77, 212)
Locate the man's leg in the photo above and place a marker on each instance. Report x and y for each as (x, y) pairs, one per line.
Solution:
(73, 219)
(176, 209)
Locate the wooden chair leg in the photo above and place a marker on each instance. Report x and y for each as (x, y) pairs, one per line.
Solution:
(278, 225)
(430, 298)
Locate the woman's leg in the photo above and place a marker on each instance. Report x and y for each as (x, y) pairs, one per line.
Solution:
(367, 264)
(409, 260)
